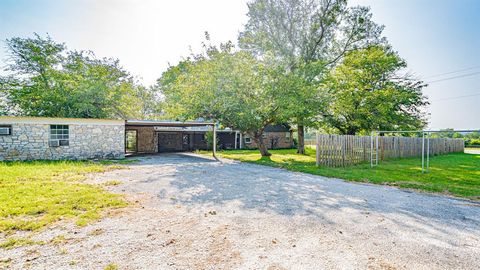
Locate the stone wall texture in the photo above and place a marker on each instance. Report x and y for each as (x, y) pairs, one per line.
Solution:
(30, 141)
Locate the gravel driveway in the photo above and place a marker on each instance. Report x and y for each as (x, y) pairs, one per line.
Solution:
(190, 212)
(472, 151)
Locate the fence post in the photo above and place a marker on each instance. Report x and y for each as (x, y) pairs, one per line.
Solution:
(371, 150)
(428, 151)
(423, 152)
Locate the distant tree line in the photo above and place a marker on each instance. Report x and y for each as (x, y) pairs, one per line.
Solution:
(471, 138)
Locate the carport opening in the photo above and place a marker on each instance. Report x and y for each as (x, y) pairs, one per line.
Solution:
(131, 141)
(149, 137)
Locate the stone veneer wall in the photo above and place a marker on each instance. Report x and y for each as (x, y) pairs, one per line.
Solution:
(87, 140)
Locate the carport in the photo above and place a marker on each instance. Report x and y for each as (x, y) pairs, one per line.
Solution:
(145, 136)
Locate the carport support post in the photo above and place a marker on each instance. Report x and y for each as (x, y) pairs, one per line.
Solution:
(214, 140)
(317, 149)
(236, 133)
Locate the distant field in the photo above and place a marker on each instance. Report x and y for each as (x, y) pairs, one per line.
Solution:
(457, 174)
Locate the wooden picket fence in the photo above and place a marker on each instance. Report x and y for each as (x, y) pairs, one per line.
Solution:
(346, 150)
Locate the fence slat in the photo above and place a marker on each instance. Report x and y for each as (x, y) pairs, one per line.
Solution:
(345, 150)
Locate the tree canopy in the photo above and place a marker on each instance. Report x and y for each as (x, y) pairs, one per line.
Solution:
(302, 34)
(231, 87)
(369, 92)
(299, 31)
(314, 63)
(44, 78)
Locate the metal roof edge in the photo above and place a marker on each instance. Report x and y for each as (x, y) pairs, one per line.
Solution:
(58, 120)
(167, 123)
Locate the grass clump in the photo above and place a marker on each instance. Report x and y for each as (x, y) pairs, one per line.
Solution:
(5, 263)
(118, 161)
(59, 239)
(19, 242)
(456, 174)
(112, 183)
(96, 232)
(38, 193)
(111, 266)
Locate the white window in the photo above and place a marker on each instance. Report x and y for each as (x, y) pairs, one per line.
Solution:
(264, 136)
(59, 135)
(287, 136)
(248, 140)
(5, 130)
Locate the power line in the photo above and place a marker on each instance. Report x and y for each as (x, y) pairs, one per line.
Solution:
(457, 97)
(451, 72)
(454, 77)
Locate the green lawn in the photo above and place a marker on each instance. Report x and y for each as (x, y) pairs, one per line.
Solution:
(36, 194)
(456, 174)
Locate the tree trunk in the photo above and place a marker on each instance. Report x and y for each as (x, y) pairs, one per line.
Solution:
(301, 140)
(351, 131)
(261, 144)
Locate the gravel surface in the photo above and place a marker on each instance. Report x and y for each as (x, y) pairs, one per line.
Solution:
(190, 212)
(472, 151)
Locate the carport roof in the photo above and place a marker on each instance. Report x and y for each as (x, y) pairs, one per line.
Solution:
(167, 123)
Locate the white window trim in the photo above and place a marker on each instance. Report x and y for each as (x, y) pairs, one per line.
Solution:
(248, 140)
(287, 136)
(55, 140)
(8, 128)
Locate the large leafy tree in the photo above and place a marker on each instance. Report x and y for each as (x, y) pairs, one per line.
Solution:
(230, 87)
(300, 33)
(370, 91)
(301, 93)
(46, 79)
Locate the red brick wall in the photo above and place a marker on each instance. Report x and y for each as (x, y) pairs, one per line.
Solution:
(147, 139)
(279, 137)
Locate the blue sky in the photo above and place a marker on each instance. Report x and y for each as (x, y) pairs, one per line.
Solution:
(434, 36)
(437, 37)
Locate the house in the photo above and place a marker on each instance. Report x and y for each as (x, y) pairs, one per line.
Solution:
(145, 136)
(274, 136)
(30, 138)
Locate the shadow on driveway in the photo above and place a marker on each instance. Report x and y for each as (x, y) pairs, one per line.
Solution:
(290, 193)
